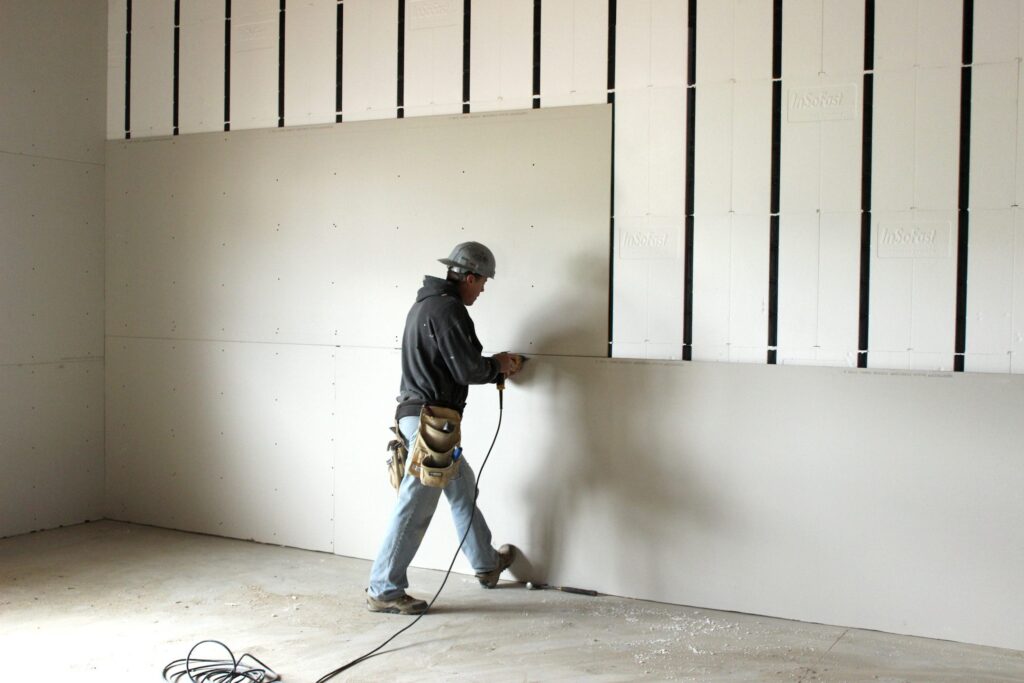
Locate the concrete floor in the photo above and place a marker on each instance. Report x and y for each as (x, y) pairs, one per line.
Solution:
(116, 602)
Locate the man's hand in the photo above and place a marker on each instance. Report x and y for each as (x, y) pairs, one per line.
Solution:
(510, 363)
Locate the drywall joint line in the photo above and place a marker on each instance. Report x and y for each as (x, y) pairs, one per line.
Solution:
(60, 361)
(99, 164)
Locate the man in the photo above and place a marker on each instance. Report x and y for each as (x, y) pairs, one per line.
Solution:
(441, 355)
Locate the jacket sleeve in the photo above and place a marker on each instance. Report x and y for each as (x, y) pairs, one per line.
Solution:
(462, 354)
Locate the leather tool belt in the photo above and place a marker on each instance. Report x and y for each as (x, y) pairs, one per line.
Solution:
(431, 455)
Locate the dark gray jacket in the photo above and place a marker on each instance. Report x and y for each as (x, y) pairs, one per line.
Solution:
(441, 354)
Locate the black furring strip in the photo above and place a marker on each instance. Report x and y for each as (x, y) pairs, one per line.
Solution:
(177, 61)
(536, 54)
(227, 65)
(868, 102)
(340, 35)
(612, 14)
(467, 8)
(963, 204)
(280, 64)
(691, 128)
(776, 166)
(400, 105)
(612, 20)
(128, 75)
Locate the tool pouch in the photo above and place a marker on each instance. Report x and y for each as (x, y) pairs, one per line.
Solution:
(396, 462)
(430, 458)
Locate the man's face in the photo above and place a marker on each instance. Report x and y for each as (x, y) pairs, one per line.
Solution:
(471, 288)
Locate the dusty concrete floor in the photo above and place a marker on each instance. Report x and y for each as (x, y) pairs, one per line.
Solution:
(116, 602)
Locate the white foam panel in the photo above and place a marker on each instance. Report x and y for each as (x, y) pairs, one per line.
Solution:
(501, 55)
(753, 21)
(254, 38)
(842, 38)
(201, 67)
(994, 98)
(291, 249)
(936, 138)
(231, 439)
(309, 62)
(712, 240)
(713, 155)
(574, 53)
(751, 147)
(370, 59)
(716, 36)
(892, 143)
(913, 299)
(990, 290)
(650, 44)
(799, 272)
(802, 40)
(51, 259)
(152, 87)
(911, 33)
(996, 31)
(433, 57)
(1017, 340)
(51, 426)
(748, 301)
(117, 17)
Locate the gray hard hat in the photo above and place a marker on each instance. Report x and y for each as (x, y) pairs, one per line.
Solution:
(471, 257)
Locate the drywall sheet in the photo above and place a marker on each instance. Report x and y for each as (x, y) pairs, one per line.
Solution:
(51, 428)
(232, 439)
(433, 57)
(631, 478)
(53, 73)
(152, 86)
(51, 258)
(573, 53)
(322, 235)
(501, 55)
(310, 56)
(254, 63)
(370, 59)
(201, 67)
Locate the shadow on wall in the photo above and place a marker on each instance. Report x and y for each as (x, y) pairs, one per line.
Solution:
(614, 489)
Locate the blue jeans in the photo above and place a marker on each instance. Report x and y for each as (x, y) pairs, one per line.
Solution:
(411, 517)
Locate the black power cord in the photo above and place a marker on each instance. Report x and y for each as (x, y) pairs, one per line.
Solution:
(238, 671)
(476, 494)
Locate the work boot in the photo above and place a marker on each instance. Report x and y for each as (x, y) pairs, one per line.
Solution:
(506, 556)
(403, 604)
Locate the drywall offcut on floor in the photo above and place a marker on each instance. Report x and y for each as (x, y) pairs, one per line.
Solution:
(110, 601)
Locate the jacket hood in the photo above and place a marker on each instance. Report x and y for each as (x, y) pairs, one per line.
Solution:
(435, 286)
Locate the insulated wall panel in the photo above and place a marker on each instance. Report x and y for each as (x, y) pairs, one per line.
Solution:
(231, 439)
(152, 86)
(734, 40)
(751, 147)
(996, 31)
(913, 289)
(433, 57)
(748, 284)
(713, 153)
(370, 59)
(994, 133)
(254, 59)
(892, 142)
(990, 264)
(309, 61)
(51, 259)
(937, 138)
(574, 53)
(818, 288)
(501, 55)
(911, 33)
(52, 437)
(117, 27)
(201, 67)
(270, 254)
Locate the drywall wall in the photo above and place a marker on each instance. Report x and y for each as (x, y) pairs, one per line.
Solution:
(53, 67)
(246, 262)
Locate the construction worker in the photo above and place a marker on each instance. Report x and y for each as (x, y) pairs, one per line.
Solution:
(441, 355)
